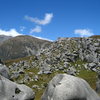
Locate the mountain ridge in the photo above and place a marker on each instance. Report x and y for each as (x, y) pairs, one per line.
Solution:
(4, 37)
(21, 46)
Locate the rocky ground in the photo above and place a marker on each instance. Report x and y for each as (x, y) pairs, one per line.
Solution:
(75, 56)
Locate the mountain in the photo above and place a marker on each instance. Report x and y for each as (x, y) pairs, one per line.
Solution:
(3, 38)
(21, 46)
(75, 56)
(95, 36)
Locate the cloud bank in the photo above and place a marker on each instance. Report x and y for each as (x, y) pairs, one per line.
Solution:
(37, 29)
(11, 32)
(83, 32)
(47, 19)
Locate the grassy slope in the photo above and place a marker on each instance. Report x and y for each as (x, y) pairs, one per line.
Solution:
(89, 76)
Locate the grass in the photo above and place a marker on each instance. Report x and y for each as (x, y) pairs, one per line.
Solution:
(43, 79)
(89, 76)
(28, 59)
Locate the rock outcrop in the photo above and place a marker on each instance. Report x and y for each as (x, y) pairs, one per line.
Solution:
(13, 91)
(67, 87)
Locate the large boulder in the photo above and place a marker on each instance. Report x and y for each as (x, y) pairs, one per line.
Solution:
(13, 91)
(4, 71)
(67, 87)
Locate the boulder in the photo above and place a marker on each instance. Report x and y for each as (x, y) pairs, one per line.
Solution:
(92, 65)
(98, 84)
(71, 71)
(13, 91)
(4, 71)
(67, 87)
(15, 75)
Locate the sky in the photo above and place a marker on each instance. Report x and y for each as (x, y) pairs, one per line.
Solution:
(50, 19)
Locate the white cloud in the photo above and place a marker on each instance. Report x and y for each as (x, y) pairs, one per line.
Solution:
(83, 32)
(47, 19)
(42, 38)
(11, 32)
(22, 28)
(37, 29)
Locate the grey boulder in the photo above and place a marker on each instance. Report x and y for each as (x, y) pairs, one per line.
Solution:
(67, 87)
(98, 84)
(4, 71)
(13, 91)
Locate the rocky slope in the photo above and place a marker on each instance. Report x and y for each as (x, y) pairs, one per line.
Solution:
(21, 46)
(3, 38)
(74, 56)
(12, 91)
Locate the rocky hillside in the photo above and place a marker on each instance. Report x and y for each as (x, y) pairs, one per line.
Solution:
(3, 38)
(75, 56)
(21, 46)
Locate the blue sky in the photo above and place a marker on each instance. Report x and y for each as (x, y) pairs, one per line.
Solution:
(50, 18)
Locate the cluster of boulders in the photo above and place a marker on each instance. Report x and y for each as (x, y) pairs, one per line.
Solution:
(65, 51)
(61, 87)
(12, 91)
(19, 69)
(60, 56)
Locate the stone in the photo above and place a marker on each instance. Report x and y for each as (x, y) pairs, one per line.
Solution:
(35, 86)
(15, 75)
(71, 71)
(12, 91)
(4, 71)
(27, 78)
(98, 84)
(47, 72)
(21, 71)
(36, 78)
(66, 64)
(91, 65)
(97, 44)
(68, 87)
(40, 72)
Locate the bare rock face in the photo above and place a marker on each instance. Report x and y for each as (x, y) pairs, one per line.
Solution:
(13, 91)
(67, 87)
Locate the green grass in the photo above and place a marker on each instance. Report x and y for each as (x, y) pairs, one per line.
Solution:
(29, 59)
(44, 79)
(89, 76)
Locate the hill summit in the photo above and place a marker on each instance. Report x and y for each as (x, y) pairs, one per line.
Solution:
(21, 46)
